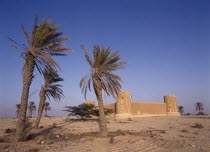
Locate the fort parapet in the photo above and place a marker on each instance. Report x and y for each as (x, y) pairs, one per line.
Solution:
(125, 108)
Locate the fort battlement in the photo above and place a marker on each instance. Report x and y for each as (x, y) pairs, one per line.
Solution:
(125, 108)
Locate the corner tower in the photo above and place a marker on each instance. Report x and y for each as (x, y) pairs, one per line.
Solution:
(123, 105)
(171, 106)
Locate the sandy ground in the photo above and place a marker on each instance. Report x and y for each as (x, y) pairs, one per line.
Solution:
(144, 134)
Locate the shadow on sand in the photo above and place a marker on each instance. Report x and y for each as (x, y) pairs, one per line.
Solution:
(49, 129)
(197, 116)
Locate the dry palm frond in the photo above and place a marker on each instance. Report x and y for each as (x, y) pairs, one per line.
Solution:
(102, 66)
(51, 88)
(44, 43)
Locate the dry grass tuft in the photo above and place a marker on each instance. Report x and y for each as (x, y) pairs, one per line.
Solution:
(184, 130)
(198, 125)
(129, 119)
(116, 133)
(34, 150)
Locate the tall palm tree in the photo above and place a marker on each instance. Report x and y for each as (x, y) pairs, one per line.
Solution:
(181, 109)
(49, 89)
(102, 79)
(199, 106)
(17, 110)
(31, 109)
(44, 42)
(47, 108)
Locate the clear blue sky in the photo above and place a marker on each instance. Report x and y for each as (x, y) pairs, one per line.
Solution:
(164, 42)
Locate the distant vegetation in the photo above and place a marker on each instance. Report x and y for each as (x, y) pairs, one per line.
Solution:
(199, 106)
(17, 110)
(46, 108)
(31, 109)
(181, 109)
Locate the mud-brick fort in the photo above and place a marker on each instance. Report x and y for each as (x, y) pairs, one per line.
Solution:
(125, 108)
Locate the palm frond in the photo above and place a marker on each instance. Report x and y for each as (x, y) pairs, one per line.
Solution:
(101, 66)
(85, 83)
(35, 23)
(113, 58)
(28, 38)
(114, 67)
(21, 46)
(55, 92)
(52, 89)
(87, 56)
(46, 61)
(44, 42)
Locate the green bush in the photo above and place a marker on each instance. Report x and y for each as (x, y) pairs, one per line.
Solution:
(86, 111)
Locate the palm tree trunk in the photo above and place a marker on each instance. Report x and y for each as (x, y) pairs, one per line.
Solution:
(28, 70)
(41, 106)
(102, 118)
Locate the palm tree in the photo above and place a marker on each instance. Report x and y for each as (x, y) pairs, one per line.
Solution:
(199, 106)
(181, 109)
(17, 110)
(47, 108)
(50, 89)
(31, 109)
(44, 42)
(102, 79)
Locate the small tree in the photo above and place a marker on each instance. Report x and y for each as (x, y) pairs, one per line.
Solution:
(181, 109)
(31, 109)
(86, 111)
(199, 106)
(47, 108)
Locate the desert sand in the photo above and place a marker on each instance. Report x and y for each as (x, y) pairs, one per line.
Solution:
(143, 134)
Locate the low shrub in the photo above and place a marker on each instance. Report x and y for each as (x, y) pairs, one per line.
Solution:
(184, 130)
(198, 125)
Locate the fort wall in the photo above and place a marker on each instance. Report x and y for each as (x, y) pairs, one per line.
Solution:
(124, 108)
(147, 108)
(110, 106)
